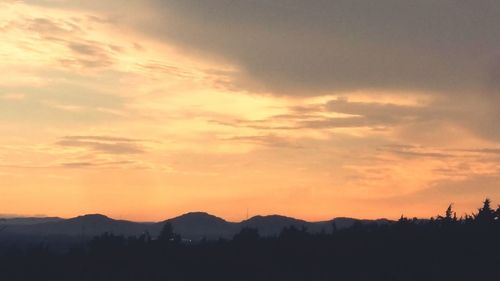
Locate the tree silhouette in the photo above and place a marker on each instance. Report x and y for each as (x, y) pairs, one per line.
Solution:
(293, 233)
(497, 214)
(449, 216)
(485, 214)
(167, 234)
(442, 248)
(247, 234)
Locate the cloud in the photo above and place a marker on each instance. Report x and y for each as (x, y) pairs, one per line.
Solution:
(355, 115)
(104, 138)
(446, 49)
(103, 144)
(96, 164)
(266, 140)
(471, 188)
(272, 75)
(494, 151)
(88, 55)
(159, 67)
(69, 33)
(48, 28)
(297, 47)
(416, 153)
(373, 109)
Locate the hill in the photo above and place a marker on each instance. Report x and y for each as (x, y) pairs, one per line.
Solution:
(194, 226)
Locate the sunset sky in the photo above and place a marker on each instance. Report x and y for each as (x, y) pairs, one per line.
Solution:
(147, 109)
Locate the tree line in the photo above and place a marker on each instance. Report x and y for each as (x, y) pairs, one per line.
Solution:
(444, 247)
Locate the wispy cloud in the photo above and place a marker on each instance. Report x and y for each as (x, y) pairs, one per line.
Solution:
(69, 34)
(104, 144)
(98, 164)
(412, 151)
(266, 140)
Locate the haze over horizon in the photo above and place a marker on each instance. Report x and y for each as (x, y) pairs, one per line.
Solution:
(144, 110)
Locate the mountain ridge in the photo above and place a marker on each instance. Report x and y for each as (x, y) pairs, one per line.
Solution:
(191, 225)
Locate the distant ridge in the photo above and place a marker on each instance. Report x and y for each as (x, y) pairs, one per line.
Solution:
(273, 224)
(193, 225)
(198, 225)
(85, 225)
(28, 220)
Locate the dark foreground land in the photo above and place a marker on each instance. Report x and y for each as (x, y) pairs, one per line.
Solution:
(443, 248)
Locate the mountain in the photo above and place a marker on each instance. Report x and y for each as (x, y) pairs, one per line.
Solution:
(86, 225)
(273, 224)
(198, 225)
(195, 226)
(28, 220)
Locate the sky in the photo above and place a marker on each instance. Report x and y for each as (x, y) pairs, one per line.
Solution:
(147, 109)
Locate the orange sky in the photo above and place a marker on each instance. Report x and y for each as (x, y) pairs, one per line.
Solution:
(99, 113)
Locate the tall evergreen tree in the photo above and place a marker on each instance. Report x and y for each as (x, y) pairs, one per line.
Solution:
(485, 214)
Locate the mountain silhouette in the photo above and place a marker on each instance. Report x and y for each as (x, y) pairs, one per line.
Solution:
(199, 225)
(86, 225)
(28, 220)
(273, 224)
(193, 225)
